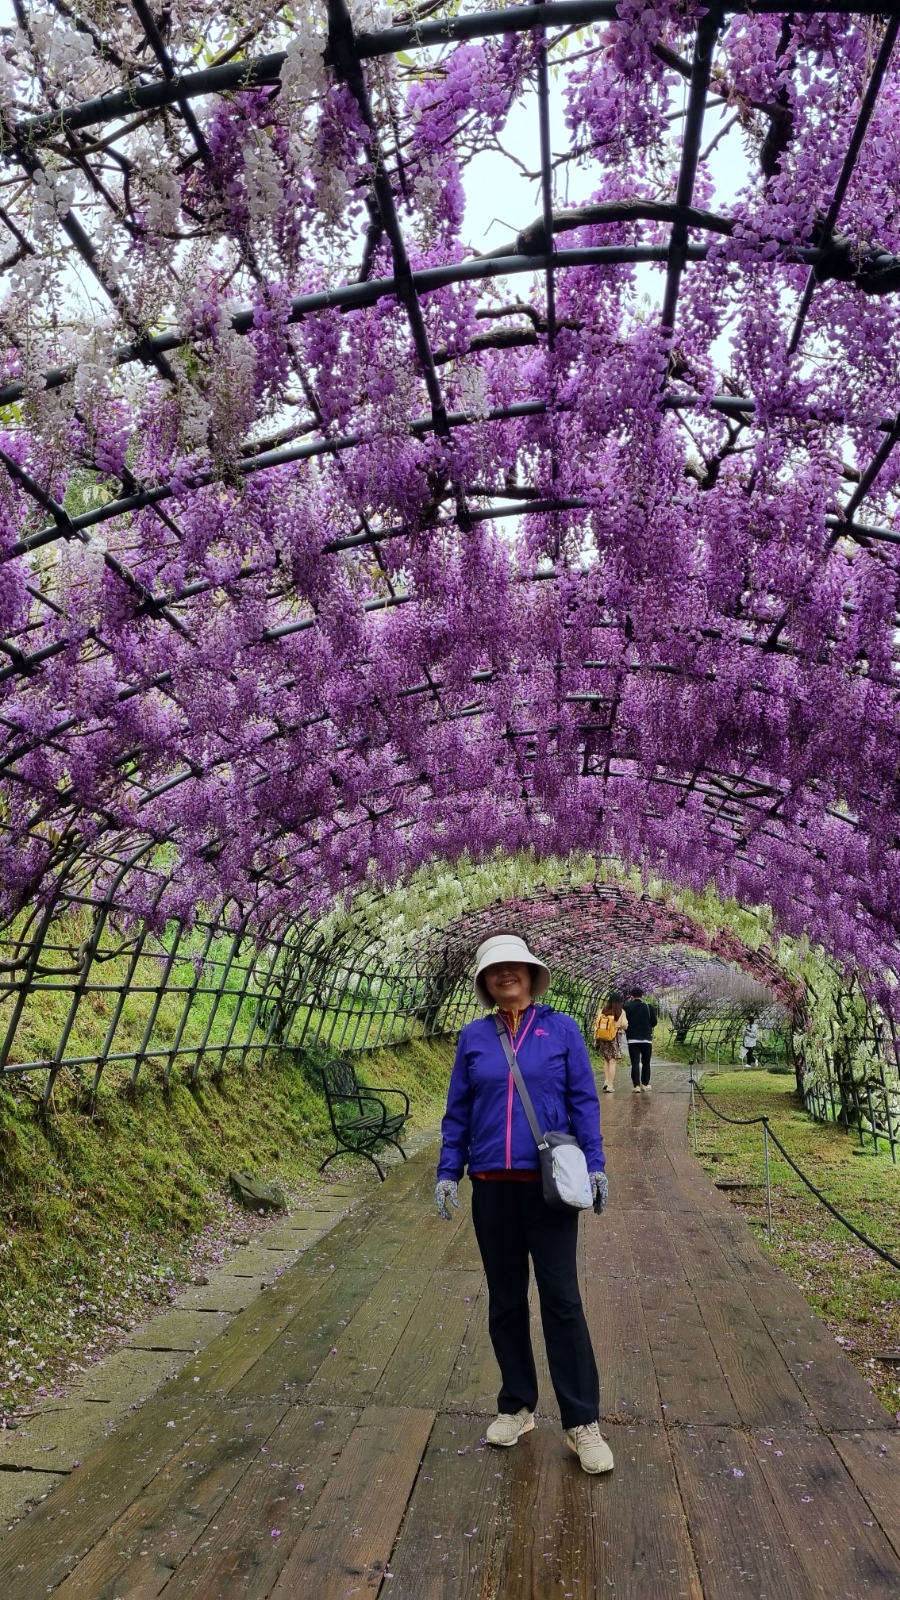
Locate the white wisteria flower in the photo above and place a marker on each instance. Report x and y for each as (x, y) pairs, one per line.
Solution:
(162, 194)
(262, 178)
(51, 197)
(304, 73)
(471, 388)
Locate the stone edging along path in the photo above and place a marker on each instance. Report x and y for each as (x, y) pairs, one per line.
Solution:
(50, 1444)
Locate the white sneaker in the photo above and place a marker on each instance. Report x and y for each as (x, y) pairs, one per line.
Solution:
(636, 1089)
(506, 1429)
(608, 1089)
(645, 1088)
(590, 1447)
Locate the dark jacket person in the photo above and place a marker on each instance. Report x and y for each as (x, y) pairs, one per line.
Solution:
(642, 1019)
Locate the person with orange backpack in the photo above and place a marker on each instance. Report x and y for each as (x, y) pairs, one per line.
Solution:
(609, 1026)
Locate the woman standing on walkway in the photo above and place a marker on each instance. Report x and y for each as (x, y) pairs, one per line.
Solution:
(486, 1129)
(608, 1030)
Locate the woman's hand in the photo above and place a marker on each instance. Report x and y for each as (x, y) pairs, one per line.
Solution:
(600, 1190)
(446, 1189)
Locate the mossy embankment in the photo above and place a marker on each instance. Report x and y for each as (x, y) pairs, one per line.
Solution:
(107, 1208)
(856, 1294)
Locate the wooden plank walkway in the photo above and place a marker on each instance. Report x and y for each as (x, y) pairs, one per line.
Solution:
(328, 1443)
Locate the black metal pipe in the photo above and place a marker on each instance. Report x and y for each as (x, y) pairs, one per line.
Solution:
(357, 296)
(873, 87)
(701, 69)
(236, 75)
(343, 52)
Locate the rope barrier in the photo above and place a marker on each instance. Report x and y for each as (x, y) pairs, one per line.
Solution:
(748, 1122)
(737, 1122)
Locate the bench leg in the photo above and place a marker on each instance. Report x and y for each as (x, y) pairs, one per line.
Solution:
(396, 1146)
(363, 1153)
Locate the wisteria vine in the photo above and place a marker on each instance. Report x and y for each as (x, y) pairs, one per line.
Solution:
(327, 548)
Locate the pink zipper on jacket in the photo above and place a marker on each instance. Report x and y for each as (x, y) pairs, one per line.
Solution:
(509, 1097)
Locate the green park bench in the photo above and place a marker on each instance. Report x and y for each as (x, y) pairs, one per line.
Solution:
(361, 1121)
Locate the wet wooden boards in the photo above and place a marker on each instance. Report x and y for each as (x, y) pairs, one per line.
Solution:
(330, 1441)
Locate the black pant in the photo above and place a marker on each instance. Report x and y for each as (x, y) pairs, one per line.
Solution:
(512, 1222)
(640, 1062)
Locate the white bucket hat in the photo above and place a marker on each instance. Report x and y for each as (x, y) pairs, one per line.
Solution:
(508, 947)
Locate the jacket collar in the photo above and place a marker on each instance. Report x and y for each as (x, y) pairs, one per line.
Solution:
(536, 1006)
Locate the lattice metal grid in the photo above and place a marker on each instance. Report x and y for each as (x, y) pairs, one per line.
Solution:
(202, 1000)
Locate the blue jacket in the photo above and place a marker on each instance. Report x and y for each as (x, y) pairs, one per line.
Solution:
(485, 1127)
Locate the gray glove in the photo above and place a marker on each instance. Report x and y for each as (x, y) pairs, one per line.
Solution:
(600, 1191)
(446, 1189)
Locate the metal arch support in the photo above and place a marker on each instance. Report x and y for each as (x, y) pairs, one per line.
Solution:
(701, 70)
(92, 943)
(873, 88)
(199, 963)
(247, 74)
(34, 955)
(120, 1003)
(141, 1054)
(217, 999)
(425, 280)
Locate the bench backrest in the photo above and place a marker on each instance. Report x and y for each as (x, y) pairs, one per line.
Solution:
(340, 1080)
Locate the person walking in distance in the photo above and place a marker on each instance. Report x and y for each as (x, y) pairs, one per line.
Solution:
(749, 1043)
(609, 1027)
(487, 1130)
(641, 1019)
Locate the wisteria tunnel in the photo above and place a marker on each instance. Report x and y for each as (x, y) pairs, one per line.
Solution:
(448, 480)
(332, 546)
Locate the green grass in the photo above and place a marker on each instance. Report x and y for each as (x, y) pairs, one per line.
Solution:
(106, 1212)
(668, 1048)
(855, 1293)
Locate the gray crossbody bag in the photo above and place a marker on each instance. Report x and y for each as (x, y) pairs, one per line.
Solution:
(564, 1171)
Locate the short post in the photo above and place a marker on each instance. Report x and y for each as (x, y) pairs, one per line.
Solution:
(768, 1177)
(889, 1119)
(872, 1123)
(694, 1111)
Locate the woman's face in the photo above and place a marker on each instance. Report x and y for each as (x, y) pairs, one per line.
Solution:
(509, 984)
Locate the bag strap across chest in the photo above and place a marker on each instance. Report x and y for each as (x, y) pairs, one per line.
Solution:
(524, 1096)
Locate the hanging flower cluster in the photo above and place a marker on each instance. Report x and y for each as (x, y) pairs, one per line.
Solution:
(326, 549)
